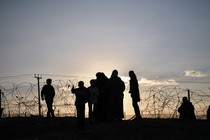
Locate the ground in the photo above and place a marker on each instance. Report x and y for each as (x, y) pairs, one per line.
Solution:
(65, 129)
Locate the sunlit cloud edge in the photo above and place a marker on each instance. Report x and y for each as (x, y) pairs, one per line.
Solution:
(150, 82)
(194, 73)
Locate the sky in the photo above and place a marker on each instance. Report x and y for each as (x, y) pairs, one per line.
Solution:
(161, 40)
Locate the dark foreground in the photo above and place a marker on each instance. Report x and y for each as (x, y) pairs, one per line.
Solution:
(65, 129)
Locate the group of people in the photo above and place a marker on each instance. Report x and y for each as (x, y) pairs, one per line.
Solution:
(104, 97)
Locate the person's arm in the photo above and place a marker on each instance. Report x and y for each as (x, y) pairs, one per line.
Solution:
(180, 109)
(53, 92)
(73, 89)
(42, 93)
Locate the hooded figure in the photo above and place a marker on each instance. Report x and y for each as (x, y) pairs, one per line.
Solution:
(116, 88)
(186, 109)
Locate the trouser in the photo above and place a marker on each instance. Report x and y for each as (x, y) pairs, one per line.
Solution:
(136, 109)
(50, 111)
(80, 116)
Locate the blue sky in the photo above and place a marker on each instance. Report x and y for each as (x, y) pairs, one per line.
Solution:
(159, 39)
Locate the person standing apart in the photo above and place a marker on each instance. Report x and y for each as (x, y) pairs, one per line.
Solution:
(48, 94)
(186, 110)
(82, 97)
(134, 91)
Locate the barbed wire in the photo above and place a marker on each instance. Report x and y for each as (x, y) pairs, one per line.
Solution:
(22, 99)
(157, 101)
(160, 100)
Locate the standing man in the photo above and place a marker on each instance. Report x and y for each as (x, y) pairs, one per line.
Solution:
(134, 91)
(82, 97)
(47, 94)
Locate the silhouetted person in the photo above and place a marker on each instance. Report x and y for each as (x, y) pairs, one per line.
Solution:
(93, 100)
(134, 91)
(47, 94)
(82, 96)
(1, 109)
(116, 88)
(208, 114)
(186, 109)
(101, 83)
(1, 112)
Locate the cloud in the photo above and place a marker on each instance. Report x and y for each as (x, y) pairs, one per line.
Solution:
(193, 73)
(148, 82)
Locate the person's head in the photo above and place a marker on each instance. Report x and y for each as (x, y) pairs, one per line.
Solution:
(132, 74)
(81, 84)
(49, 81)
(114, 73)
(98, 74)
(184, 99)
(92, 82)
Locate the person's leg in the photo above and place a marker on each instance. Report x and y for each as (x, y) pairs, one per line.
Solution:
(90, 112)
(80, 116)
(136, 110)
(95, 117)
(50, 111)
(48, 107)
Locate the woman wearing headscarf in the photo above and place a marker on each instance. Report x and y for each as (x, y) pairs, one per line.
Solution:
(116, 88)
(134, 91)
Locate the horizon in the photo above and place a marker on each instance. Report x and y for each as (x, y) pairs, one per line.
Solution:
(173, 92)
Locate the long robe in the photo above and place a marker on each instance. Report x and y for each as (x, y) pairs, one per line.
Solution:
(116, 88)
